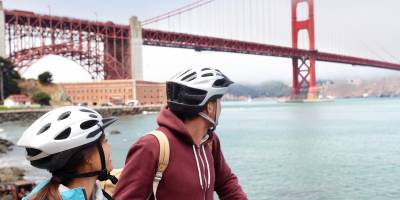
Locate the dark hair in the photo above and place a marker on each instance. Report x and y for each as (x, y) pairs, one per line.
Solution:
(50, 190)
(185, 116)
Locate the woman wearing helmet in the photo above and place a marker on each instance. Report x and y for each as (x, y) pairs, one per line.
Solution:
(196, 166)
(70, 143)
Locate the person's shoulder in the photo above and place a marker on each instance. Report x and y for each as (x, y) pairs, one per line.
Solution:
(147, 139)
(147, 142)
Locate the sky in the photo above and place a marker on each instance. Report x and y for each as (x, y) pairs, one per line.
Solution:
(353, 27)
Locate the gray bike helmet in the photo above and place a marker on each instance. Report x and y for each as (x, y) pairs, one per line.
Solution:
(190, 90)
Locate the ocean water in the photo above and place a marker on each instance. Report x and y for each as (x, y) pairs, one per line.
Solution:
(347, 149)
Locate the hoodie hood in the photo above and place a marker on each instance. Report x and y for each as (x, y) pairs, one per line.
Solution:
(169, 120)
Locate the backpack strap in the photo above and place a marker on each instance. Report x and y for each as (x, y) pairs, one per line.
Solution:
(163, 159)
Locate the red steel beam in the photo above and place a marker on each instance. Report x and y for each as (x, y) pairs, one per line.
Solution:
(29, 36)
(48, 21)
(182, 40)
(205, 43)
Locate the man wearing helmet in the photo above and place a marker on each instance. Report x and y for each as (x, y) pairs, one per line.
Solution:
(196, 166)
(70, 143)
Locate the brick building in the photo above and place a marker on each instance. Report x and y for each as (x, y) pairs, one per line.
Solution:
(116, 92)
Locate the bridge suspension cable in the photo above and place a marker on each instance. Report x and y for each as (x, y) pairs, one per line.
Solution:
(176, 12)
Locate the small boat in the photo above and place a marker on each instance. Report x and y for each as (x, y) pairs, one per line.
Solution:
(114, 132)
(249, 99)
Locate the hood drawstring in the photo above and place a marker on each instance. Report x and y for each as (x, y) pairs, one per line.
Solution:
(198, 167)
(208, 168)
(206, 179)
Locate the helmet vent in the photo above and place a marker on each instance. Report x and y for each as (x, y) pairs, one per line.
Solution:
(207, 75)
(191, 79)
(189, 76)
(204, 69)
(44, 128)
(183, 73)
(93, 116)
(63, 135)
(32, 152)
(64, 115)
(86, 110)
(89, 124)
(224, 82)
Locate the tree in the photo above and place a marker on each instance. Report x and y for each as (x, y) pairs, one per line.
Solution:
(41, 98)
(45, 78)
(10, 77)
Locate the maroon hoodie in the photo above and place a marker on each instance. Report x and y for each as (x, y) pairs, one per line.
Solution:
(194, 172)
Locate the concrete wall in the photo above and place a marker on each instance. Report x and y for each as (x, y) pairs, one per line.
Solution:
(31, 115)
(99, 92)
(149, 93)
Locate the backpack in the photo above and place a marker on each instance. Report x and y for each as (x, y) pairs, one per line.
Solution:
(162, 165)
(163, 159)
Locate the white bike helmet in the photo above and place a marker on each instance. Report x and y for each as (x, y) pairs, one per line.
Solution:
(190, 90)
(53, 138)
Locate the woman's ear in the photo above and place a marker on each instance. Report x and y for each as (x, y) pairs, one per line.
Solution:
(91, 160)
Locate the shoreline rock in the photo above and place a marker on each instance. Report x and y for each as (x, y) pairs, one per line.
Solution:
(5, 146)
(11, 174)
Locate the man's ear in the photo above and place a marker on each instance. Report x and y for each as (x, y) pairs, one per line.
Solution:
(210, 107)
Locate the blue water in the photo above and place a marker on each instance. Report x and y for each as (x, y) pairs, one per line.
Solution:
(348, 149)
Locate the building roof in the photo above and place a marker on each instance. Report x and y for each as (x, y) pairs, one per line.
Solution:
(19, 98)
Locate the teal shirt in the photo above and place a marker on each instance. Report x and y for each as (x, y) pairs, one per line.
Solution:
(72, 194)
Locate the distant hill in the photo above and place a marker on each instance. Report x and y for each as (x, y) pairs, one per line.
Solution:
(384, 87)
(265, 89)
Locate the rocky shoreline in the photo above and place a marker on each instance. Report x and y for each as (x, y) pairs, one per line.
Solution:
(5, 146)
(32, 114)
(11, 174)
(11, 177)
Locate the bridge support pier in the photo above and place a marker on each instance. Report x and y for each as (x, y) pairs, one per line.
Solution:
(136, 42)
(136, 48)
(2, 32)
(304, 79)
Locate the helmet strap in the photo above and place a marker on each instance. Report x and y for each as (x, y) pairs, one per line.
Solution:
(102, 175)
(209, 119)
